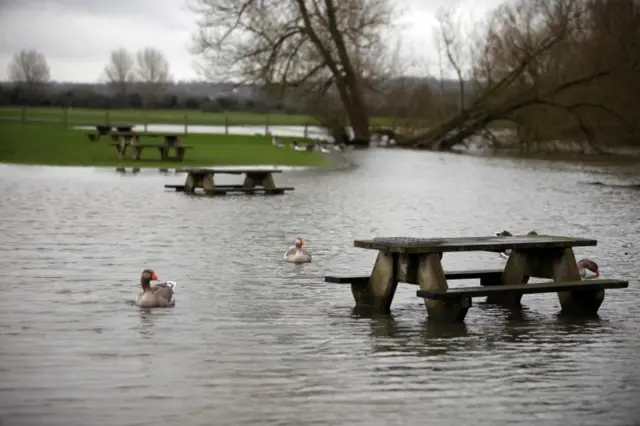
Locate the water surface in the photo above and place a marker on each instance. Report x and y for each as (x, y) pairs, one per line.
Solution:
(253, 340)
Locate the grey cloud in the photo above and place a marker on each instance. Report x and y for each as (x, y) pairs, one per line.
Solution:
(163, 12)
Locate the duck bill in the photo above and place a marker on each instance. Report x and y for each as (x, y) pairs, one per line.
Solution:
(155, 277)
(597, 272)
(303, 242)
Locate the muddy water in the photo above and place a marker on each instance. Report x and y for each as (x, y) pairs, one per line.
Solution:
(253, 340)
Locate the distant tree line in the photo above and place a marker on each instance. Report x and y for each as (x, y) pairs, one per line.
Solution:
(143, 81)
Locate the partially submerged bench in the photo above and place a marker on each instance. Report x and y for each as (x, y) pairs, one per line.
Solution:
(418, 261)
(164, 150)
(256, 181)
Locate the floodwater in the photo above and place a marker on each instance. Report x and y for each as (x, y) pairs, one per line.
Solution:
(254, 340)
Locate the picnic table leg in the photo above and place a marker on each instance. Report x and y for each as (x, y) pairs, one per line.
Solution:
(208, 184)
(582, 302)
(516, 271)
(254, 179)
(137, 151)
(180, 153)
(121, 150)
(191, 183)
(164, 152)
(431, 278)
(381, 288)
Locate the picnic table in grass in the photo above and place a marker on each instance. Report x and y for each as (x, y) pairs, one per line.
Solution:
(132, 140)
(418, 261)
(256, 181)
(108, 129)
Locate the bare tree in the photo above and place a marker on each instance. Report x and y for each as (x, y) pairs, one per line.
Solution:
(30, 73)
(119, 72)
(447, 38)
(315, 44)
(29, 67)
(546, 66)
(152, 71)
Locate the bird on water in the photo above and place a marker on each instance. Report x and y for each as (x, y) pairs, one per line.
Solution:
(298, 253)
(158, 296)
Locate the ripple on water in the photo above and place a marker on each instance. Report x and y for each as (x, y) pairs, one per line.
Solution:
(255, 340)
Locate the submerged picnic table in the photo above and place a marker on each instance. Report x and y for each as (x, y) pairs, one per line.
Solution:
(171, 141)
(106, 129)
(418, 261)
(257, 180)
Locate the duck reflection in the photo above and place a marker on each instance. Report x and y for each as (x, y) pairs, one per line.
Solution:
(146, 329)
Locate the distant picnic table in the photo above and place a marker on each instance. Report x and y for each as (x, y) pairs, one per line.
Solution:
(108, 129)
(257, 181)
(131, 140)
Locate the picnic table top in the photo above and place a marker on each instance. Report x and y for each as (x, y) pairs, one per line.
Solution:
(131, 133)
(491, 243)
(232, 171)
(158, 145)
(122, 126)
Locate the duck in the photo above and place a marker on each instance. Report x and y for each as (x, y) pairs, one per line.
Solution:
(585, 265)
(277, 142)
(158, 296)
(297, 253)
(297, 147)
(324, 150)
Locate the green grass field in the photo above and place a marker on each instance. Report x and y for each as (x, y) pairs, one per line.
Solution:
(48, 144)
(77, 116)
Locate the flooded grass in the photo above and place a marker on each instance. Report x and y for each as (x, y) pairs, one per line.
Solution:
(48, 144)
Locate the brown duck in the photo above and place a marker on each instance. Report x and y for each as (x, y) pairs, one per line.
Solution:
(158, 296)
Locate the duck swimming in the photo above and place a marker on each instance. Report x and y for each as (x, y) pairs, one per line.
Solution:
(158, 296)
(297, 253)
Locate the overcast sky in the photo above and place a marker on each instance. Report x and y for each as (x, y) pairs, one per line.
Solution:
(77, 36)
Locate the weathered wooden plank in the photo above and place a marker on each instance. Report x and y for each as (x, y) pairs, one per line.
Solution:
(224, 189)
(268, 191)
(151, 145)
(238, 171)
(449, 275)
(490, 243)
(546, 287)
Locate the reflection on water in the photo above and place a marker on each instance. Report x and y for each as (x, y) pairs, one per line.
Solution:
(254, 340)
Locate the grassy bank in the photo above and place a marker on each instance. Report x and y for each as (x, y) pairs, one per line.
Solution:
(58, 145)
(76, 116)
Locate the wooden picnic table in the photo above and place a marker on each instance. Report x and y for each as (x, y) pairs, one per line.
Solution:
(418, 261)
(257, 180)
(171, 141)
(106, 129)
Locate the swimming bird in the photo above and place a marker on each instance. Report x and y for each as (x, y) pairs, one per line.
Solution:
(158, 296)
(585, 265)
(297, 147)
(297, 253)
(277, 142)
